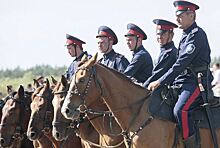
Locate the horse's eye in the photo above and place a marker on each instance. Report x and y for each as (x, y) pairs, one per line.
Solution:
(81, 80)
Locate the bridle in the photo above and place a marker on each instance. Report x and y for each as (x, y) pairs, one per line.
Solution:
(84, 109)
(47, 115)
(20, 131)
(69, 125)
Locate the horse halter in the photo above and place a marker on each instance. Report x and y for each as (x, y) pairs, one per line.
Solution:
(73, 123)
(19, 130)
(47, 123)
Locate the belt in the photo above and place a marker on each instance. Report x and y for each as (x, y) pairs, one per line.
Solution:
(195, 70)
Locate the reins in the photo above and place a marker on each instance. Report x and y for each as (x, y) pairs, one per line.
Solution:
(83, 94)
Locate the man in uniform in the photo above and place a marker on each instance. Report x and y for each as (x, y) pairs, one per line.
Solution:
(106, 38)
(193, 58)
(168, 51)
(75, 49)
(40, 79)
(141, 66)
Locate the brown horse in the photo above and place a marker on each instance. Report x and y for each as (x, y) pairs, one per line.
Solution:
(129, 104)
(101, 121)
(63, 127)
(41, 117)
(14, 119)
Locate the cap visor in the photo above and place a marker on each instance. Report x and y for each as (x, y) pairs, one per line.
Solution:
(179, 12)
(160, 32)
(129, 35)
(101, 35)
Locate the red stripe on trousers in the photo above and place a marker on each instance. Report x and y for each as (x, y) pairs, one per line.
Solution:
(185, 113)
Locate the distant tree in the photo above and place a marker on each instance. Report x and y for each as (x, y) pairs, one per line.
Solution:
(18, 76)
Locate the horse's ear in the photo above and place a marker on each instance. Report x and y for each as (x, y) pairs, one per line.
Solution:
(84, 58)
(9, 89)
(36, 84)
(21, 91)
(92, 61)
(47, 83)
(64, 81)
(54, 81)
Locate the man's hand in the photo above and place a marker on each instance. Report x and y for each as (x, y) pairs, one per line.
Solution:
(153, 85)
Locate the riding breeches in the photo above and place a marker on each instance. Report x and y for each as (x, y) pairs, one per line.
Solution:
(188, 100)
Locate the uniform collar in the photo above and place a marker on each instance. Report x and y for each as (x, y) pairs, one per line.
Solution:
(80, 56)
(110, 54)
(188, 30)
(167, 46)
(138, 49)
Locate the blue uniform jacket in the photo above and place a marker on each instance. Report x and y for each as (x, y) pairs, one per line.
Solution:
(193, 52)
(72, 68)
(167, 57)
(141, 65)
(115, 61)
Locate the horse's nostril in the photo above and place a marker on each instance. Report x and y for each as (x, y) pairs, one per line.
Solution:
(57, 135)
(32, 135)
(2, 141)
(67, 111)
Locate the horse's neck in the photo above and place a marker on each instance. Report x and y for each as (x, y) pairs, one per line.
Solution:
(55, 143)
(17, 143)
(87, 131)
(43, 142)
(119, 95)
(102, 123)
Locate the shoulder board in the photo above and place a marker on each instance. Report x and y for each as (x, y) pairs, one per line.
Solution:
(119, 55)
(194, 30)
(168, 50)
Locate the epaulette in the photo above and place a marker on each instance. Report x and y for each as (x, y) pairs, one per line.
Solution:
(194, 30)
(168, 50)
(119, 55)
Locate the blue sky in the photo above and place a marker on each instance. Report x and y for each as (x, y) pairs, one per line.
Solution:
(32, 32)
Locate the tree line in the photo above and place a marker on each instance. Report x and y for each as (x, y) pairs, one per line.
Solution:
(19, 76)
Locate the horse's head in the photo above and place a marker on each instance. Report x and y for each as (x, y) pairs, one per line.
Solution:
(15, 117)
(84, 82)
(61, 125)
(41, 111)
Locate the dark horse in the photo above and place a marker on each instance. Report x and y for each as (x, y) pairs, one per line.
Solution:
(129, 104)
(40, 123)
(14, 119)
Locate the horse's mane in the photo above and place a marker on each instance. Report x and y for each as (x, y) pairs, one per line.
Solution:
(121, 75)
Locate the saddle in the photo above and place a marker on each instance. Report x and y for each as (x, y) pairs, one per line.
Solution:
(162, 101)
